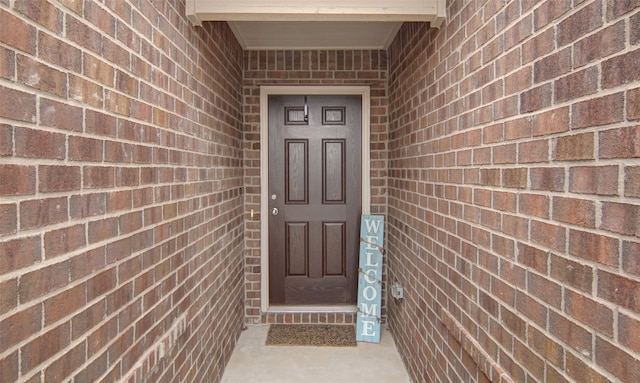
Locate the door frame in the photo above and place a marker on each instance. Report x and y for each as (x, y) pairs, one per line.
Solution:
(265, 92)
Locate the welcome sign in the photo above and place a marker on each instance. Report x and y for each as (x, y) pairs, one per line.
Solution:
(370, 279)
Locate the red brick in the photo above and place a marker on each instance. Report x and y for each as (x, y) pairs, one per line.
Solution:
(98, 16)
(504, 201)
(594, 247)
(100, 124)
(82, 34)
(504, 154)
(538, 46)
(94, 370)
(633, 104)
(43, 281)
(549, 235)
(547, 179)
(98, 70)
(59, 53)
(42, 77)
(97, 177)
(518, 81)
(580, 23)
(8, 219)
(103, 229)
(553, 121)
(621, 70)
(42, 12)
(43, 212)
(60, 369)
(535, 205)
(552, 66)
(115, 55)
(39, 144)
(506, 107)
(620, 143)
(514, 178)
(86, 263)
(515, 226)
(121, 200)
(17, 33)
(619, 290)
(630, 262)
(503, 246)
(572, 273)
(9, 368)
(19, 253)
(571, 333)
(621, 218)
(117, 103)
(574, 148)
(602, 180)
(127, 177)
(536, 98)
(64, 303)
(20, 326)
(101, 283)
(549, 11)
(60, 115)
(598, 111)
(581, 372)
(617, 361)
(44, 347)
(87, 205)
(544, 289)
(17, 180)
(58, 178)
(85, 91)
(61, 241)
(492, 134)
(593, 314)
(529, 360)
(8, 295)
(85, 149)
(7, 63)
(599, 45)
(576, 85)
(533, 258)
(628, 328)
(635, 33)
(533, 151)
(574, 211)
(17, 105)
(550, 349)
(6, 140)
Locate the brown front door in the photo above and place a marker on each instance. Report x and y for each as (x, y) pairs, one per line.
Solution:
(314, 199)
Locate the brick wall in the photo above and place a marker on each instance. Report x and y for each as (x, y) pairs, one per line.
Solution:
(121, 222)
(514, 192)
(318, 67)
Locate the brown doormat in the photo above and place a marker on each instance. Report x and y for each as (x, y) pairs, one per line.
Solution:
(311, 335)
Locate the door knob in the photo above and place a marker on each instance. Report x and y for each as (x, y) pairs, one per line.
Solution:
(275, 211)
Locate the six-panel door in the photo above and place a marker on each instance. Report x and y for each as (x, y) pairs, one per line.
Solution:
(314, 199)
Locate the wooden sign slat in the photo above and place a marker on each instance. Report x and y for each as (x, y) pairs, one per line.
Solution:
(370, 279)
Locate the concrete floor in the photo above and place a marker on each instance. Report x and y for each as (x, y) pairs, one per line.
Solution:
(254, 362)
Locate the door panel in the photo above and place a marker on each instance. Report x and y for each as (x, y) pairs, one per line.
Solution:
(296, 172)
(315, 199)
(334, 247)
(297, 248)
(333, 171)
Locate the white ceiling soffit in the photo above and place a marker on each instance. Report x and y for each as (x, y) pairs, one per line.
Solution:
(335, 24)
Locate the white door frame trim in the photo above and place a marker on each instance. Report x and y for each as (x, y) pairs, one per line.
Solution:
(265, 92)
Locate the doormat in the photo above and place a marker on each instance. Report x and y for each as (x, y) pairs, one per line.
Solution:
(311, 335)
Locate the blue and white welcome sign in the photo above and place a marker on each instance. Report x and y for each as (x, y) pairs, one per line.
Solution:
(370, 279)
